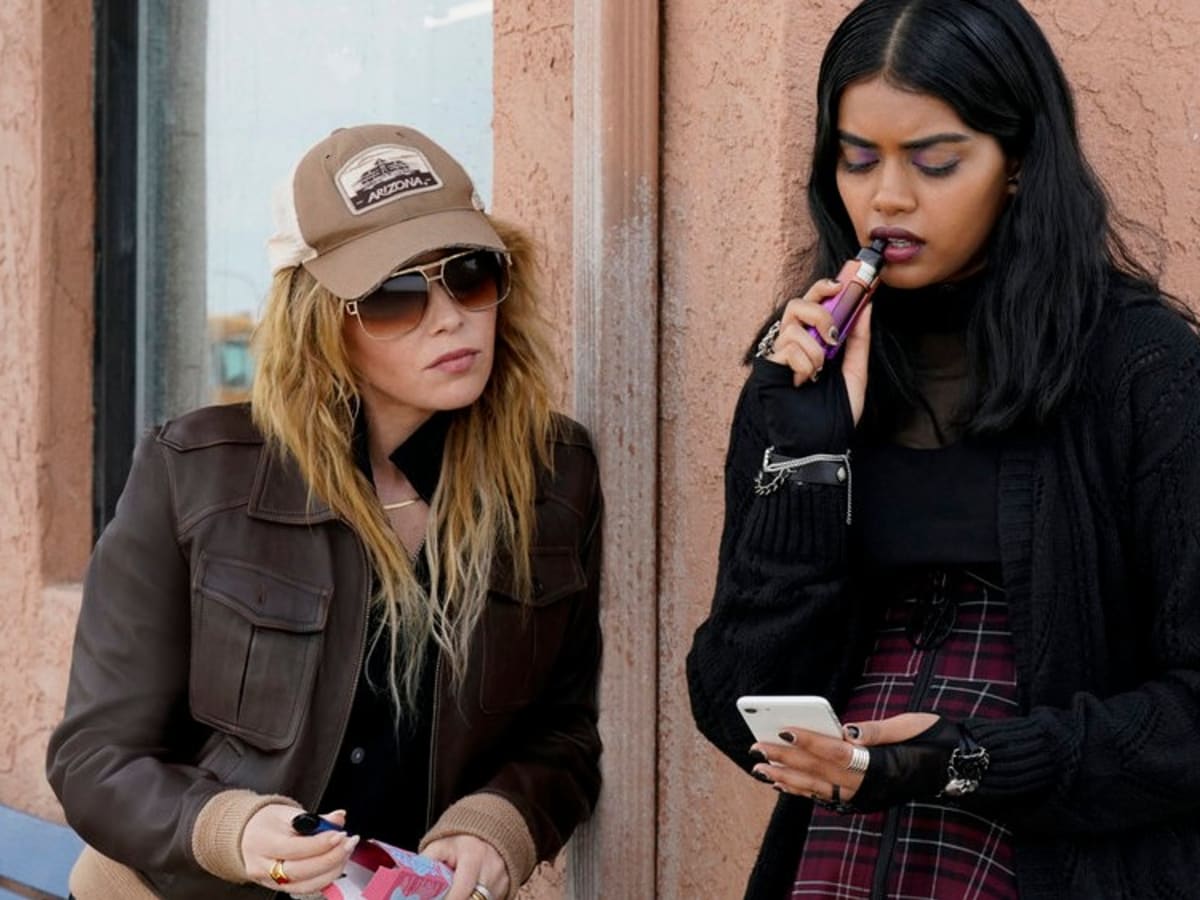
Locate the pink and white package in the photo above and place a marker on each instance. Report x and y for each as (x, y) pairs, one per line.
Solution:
(379, 871)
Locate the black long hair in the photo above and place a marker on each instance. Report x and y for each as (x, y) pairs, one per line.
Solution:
(1053, 259)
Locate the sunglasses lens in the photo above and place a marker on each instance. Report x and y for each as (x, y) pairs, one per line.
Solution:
(396, 307)
(477, 280)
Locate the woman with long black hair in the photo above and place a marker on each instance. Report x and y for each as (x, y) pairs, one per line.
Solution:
(976, 530)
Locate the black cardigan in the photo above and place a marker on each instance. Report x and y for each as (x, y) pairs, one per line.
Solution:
(1099, 522)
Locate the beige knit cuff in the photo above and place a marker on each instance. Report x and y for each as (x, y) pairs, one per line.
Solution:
(491, 818)
(96, 877)
(217, 836)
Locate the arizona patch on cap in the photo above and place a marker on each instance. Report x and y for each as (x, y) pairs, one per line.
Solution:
(366, 200)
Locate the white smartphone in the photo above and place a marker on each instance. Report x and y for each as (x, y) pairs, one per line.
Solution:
(767, 716)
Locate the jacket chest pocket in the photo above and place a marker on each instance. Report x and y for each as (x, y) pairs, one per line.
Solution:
(522, 641)
(256, 645)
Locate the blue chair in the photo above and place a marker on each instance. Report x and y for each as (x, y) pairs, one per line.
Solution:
(35, 856)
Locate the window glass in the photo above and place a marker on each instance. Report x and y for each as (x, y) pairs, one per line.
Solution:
(231, 93)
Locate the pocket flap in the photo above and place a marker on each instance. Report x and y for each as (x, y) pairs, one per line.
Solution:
(556, 573)
(267, 599)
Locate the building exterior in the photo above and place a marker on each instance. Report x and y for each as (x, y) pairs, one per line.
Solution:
(607, 117)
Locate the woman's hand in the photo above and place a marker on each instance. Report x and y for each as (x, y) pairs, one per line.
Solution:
(474, 861)
(808, 764)
(308, 862)
(805, 356)
(908, 762)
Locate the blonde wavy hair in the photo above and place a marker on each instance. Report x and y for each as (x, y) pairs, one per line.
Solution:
(305, 400)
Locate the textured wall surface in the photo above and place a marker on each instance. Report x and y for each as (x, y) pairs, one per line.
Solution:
(531, 126)
(45, 377)
(20, 92)
(532, 68)
(1133, 65)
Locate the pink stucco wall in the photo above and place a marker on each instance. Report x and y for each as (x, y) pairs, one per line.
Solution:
(531, 127)
(46, 199)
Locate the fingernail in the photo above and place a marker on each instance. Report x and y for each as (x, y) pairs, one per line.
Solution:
(761, 777)
(853, 732)
(787, 737)
(779, 789)
(834, 334)
(757, 755)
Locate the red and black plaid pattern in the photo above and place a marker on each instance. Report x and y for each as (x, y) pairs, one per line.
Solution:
(945, 646)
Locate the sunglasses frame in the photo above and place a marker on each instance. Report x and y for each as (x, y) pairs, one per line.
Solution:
(424, 270)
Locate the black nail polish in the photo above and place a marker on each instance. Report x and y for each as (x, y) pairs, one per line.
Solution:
(853, 732)
(834, 334)
(758, 756)
(787, 737)
(761, 777)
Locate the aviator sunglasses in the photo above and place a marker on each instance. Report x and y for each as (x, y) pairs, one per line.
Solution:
(475, 279)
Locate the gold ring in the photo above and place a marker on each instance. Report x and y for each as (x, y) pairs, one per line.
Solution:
(277, 874)
(480, 893)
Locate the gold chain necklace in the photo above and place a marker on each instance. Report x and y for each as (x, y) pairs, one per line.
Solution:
(400, 504)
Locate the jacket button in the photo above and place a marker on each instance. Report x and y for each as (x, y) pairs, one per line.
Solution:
(357, 755)
(538, 587)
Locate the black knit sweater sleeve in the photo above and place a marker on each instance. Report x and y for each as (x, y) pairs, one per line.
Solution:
(778, 622)
(1110, 762)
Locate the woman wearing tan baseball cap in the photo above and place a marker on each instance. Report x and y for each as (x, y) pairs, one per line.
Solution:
(369, 593)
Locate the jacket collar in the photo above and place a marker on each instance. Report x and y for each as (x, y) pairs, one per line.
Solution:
(280, 494)
(419, 457)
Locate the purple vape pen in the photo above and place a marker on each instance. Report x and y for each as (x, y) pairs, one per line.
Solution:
(860, 277)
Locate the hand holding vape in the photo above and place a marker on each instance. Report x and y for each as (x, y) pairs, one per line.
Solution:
(860, 277)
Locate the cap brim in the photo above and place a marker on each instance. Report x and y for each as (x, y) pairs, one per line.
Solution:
(361, 265)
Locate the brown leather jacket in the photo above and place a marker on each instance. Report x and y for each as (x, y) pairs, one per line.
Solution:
(220, 641)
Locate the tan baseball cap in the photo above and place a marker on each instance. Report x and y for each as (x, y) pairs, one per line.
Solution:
(366, 200)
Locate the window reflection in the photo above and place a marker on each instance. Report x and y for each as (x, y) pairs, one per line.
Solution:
(233, 91)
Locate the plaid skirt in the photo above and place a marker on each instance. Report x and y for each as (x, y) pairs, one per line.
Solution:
(944, 646)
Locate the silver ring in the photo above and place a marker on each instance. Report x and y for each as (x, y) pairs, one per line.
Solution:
(860, 758)
(482, 892)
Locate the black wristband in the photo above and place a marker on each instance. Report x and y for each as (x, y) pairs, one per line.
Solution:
(911, 770)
